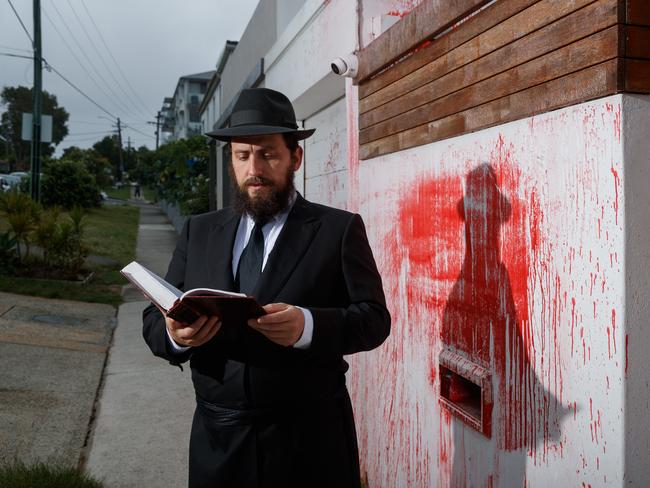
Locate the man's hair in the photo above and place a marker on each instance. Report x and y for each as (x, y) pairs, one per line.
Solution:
(291, 141)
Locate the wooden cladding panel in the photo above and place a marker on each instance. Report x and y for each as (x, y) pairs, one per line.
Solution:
(637, 75)
(578, 25)
(594, 82)
(637, 42)
(426, 20)
(595, 49)
(491, 16)
(507, 32)
(513, 59)
(637, 12)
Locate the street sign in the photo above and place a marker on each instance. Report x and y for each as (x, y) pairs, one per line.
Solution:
(46, 128)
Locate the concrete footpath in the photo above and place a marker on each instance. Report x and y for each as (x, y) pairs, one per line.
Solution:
(141, 431)
(52, 353)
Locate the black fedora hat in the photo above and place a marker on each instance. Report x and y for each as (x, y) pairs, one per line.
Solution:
(261, 111)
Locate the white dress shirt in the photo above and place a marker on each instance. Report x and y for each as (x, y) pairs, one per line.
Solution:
(271, 231)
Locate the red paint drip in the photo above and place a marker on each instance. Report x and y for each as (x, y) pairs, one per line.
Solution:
(616, 183)
(573, 321)
(614, 329)
(575, 410)
(609, 347)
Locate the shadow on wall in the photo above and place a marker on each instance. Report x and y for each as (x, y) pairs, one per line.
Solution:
(480, 325)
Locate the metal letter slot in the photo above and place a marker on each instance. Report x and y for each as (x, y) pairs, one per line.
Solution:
(466, 390)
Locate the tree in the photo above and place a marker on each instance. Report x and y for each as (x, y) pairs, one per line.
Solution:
(96, 164)
(18, 100)
(69, 184)
(109, 147)
(182, 170)
(143, 171)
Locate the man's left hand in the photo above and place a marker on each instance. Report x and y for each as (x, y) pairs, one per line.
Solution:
(282, 324)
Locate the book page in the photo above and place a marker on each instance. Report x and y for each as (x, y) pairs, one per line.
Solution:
(158, 290)
(210, 291)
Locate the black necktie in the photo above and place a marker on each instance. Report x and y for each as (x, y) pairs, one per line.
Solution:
(250, 262)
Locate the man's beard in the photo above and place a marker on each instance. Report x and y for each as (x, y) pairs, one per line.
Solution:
(266, 205)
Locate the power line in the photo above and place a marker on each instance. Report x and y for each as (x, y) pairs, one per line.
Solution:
(101, 57)
(84, 122)
(89, 133)
(138, 131)
(12, 55)
(16, 49)
(137, 97)
(81, 64)
(48, 66)
(21, 22)
(116, 97)
(78, 89)
(83, 139)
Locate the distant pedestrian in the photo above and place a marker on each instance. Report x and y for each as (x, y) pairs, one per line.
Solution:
(136, 192)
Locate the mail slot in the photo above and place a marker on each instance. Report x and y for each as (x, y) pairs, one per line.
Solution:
(466, 390)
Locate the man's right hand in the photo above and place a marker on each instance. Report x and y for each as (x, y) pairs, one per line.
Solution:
(195, 334)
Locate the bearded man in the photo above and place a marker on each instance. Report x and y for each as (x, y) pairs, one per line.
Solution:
(272, 408)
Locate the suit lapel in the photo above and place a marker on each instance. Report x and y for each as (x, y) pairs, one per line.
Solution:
(220, 243)
(294, 240)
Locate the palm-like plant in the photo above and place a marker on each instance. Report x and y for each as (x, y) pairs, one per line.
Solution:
(22, 216)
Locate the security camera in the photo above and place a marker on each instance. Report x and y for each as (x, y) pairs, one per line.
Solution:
(345, 66)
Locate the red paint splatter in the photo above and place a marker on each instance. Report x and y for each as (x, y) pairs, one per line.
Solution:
(617, 118)
(614, 329)
(398, 13)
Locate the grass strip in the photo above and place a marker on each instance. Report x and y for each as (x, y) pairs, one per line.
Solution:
(112, 231)
(121, 193)
(40, 475)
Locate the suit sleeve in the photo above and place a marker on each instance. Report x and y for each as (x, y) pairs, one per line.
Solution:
(365, 323)
(153, 330)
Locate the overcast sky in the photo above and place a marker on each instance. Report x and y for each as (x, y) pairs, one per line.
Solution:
(153, 41)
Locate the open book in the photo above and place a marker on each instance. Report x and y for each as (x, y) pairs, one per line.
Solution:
(187, 307)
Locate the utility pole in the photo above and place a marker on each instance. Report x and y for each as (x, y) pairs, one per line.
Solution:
(157, 124)
(120, 171)
(37, 101)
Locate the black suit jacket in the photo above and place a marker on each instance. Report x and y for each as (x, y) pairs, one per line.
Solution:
(321, 261)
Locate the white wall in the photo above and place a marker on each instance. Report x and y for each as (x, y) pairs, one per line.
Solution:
(326, 171)
(636, 366)
(563, 249)
(300, 59)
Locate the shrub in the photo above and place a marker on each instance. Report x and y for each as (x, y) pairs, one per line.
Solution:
(69, 184)
(45, 232)
(62, 242)
(21, 215)
(7, 252)
(198, 198)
